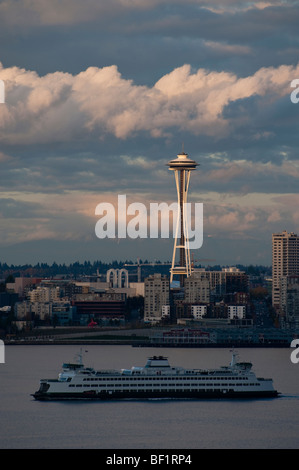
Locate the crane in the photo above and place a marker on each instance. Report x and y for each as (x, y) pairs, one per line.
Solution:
(154, 263)
(138, 264)
(199, 260)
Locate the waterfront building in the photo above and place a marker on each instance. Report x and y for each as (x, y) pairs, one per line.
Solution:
(99, 310)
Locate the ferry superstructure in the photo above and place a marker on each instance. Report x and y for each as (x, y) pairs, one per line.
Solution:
(157, 379)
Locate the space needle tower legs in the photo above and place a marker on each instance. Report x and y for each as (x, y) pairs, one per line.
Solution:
(182, 167)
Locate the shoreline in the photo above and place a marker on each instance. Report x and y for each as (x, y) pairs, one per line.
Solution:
(138, 344)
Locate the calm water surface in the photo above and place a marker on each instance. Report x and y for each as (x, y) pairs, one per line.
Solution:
(152, 424)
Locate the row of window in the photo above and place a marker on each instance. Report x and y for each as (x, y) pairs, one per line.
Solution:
(217, 384)
(194, 378)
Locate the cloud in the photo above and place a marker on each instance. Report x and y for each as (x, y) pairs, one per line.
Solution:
(139, 162)
(225, 170)
(64, 12)
(228, 48)
(245, 220)
(37, 216)
(61, 107)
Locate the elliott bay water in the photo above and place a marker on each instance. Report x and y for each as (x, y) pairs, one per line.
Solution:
(146, 424)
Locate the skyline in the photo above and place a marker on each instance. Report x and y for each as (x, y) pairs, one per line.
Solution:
(99, 97)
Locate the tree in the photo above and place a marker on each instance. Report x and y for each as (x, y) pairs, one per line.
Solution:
(10, 279)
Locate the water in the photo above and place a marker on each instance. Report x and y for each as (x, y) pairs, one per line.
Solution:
(152, 424)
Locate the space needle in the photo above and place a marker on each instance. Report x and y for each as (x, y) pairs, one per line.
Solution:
(182, 167)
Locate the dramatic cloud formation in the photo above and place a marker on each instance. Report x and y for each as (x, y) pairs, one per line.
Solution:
(100, 95)
(59, 106)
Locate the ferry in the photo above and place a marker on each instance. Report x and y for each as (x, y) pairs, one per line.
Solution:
(157, 379)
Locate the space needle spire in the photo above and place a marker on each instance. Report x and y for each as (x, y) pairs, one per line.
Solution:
(182, 167)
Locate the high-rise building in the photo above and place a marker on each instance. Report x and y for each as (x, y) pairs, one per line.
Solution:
(156, 297)
(285, 262)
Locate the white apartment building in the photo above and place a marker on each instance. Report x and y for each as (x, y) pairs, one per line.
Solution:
(198, 311)
(165, 311)
(236, 312)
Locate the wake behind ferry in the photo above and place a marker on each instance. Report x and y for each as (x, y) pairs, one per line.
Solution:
(157, 379)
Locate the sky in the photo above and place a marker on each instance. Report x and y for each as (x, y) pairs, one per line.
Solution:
(101, 94)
